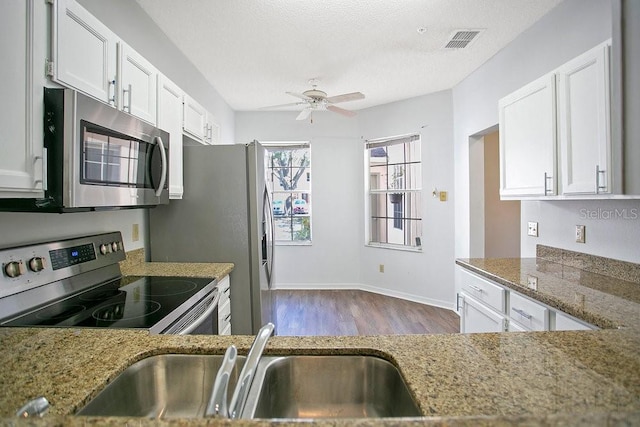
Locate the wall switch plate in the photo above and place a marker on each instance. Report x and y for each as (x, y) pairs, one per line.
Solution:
(532, 229)
(135, 233)
(580, 237)
(443, 196)
(381, 268)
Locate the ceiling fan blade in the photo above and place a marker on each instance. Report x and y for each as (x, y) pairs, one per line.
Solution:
(342, 111)
(354, 96)
(304, 114)
(291, 104)
(299, 95)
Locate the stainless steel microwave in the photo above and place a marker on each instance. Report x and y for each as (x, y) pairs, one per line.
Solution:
(97, 158)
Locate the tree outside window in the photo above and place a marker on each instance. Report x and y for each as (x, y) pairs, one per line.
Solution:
(288, 169)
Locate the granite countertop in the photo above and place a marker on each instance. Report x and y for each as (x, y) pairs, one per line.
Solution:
(577, 377)
(604, 301)
(532, 378)
(135, 265)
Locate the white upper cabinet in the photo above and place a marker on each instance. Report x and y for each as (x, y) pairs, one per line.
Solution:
(199, 124)
(84, 52)
(170, 120)
(138, 84)
(528, 140)
(23, 44)
(195, 119)
(570, 105)
(584, 124)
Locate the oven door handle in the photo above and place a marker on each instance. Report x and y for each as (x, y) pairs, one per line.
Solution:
(203, 316)
(163, 156)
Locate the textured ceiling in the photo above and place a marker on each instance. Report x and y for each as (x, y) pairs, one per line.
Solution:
(253, 51)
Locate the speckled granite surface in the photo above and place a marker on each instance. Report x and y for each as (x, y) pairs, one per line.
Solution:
(572, 378)
(135, 265)
(604, 301)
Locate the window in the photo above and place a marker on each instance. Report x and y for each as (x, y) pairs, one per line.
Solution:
(288, 169)
(394, 192)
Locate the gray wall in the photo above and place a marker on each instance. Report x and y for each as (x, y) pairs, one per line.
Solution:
(570, 29)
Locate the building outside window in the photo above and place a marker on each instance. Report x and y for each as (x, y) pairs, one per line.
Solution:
(288, 170)
(394, 207)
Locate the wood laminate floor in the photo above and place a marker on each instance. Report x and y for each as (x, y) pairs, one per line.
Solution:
(353, 312)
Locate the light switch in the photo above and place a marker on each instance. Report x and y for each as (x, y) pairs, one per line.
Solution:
(580, 230)
(443, 196)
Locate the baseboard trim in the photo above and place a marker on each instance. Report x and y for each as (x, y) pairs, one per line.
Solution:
(367, 288)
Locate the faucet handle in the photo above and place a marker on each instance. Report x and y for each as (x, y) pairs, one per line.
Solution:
(249, 369)
(218, 405)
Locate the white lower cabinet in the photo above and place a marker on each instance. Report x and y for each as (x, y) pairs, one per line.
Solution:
(528, 313)
(224, 306)
(477, 317)
(563, 322)
(487, 306)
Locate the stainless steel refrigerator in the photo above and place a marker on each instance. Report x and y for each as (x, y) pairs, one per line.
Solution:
(225, 215)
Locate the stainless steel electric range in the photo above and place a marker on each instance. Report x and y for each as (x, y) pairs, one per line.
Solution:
(77, 282)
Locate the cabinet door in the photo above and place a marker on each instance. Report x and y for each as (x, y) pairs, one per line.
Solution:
(138, 84)
(22, 43)
(84, 51)
(565, 323)
(477, 317)
(528, 140)
(195, 119)
(584, 125)
(170, 120)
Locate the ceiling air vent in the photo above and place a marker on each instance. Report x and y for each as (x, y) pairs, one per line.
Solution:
(461, 39)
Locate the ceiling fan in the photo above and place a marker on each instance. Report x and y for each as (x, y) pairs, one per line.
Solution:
(317, 100)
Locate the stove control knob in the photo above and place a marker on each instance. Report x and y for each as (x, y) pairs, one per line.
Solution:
(105, 249)
(36, 264)
(114, 246)
(14, 268)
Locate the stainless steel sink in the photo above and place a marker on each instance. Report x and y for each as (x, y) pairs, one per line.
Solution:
(329, 387)
(165, 386)
(180, 385)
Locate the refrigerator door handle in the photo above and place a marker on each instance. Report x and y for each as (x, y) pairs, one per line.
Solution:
(268, 234)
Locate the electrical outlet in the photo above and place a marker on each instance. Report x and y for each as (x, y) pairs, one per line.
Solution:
(381, 268)
(532, 229)
(580, 236)
(135, 233)
(532, 282)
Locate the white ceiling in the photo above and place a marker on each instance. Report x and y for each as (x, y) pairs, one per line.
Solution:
(253, 51)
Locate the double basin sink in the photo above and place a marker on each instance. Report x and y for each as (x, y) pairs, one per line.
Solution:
(179, 386)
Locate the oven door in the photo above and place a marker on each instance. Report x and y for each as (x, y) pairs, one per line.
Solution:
(202, 319)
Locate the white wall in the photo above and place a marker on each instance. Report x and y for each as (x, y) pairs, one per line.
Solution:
(338, 258)
(18, 227)
(427, 276)
(570, 29)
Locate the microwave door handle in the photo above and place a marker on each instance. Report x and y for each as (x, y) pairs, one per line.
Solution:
(163, 157)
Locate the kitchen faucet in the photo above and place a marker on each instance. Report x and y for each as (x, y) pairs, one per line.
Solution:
(217, 406)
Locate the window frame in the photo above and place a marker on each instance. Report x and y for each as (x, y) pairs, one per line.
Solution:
(271, 146)
(369, 192)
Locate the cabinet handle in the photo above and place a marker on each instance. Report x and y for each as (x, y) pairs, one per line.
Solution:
(598, 173)
(475, 288)
(547, 177)
(522, 313)
(112, 99)
(226, 319)
(128, 92)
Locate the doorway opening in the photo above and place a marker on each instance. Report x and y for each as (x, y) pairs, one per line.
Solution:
(494, 223)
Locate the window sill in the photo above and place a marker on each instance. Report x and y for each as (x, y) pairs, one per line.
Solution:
(394, 247)
(305, 243)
